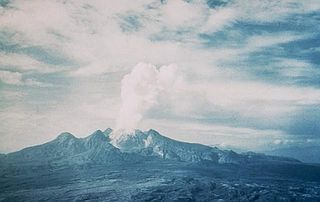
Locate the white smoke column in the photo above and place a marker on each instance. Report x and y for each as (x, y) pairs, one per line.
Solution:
(140, 91)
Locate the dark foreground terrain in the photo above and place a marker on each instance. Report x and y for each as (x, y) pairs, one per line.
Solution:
(72, 169)
(158, 180)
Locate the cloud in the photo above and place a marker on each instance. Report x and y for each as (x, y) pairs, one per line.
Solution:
(274, 10)
(176, 14)
(250, 99)
(24, 63)
(140, 91)
(16, 78)
(268, 40)
(218, 19)
(296, 68)
(91, 33)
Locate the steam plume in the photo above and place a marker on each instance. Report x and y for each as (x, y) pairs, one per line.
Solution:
(140, 91)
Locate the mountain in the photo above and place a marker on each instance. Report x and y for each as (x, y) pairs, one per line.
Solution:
(308, 154)
(67, 149)
(116, 146)
(147, 166)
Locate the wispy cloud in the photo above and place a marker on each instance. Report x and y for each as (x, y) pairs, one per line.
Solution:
(16, 78)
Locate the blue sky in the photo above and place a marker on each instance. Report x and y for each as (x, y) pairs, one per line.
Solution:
(246, 72)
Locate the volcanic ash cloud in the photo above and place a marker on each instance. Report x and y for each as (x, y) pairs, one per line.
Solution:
(140, 91)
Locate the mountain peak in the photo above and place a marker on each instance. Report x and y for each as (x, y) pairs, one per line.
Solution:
(98, 135)
(97, 132)
(107, 131)
(65, 136)
(152, 131)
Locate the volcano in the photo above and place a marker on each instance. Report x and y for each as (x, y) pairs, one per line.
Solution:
(147, 166)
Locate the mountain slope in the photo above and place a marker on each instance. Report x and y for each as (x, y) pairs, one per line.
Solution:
(152, 143)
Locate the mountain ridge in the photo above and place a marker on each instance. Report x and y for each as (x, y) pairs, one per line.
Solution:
(108, 146)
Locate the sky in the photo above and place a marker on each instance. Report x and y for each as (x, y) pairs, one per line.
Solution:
(236, 74)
